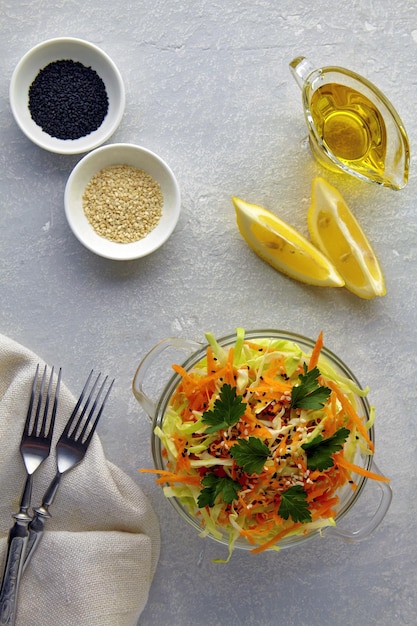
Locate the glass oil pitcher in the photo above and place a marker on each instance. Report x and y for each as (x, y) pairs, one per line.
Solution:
(352, 126)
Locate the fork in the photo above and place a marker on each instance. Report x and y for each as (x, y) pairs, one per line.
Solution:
(70, 451)
(35, 447)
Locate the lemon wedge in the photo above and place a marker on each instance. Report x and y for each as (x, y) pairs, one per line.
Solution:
(337, 233)
(283, 247)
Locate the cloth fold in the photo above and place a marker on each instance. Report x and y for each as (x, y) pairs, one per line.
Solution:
(96, 560)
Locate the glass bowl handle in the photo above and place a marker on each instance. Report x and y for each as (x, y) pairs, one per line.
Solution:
(148, 405)
(376, 519)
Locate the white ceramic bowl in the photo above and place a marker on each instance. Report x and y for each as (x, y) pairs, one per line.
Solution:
(66, 48)
(121, 154)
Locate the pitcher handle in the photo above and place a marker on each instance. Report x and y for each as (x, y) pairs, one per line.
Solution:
(148, 405)
(376, 519)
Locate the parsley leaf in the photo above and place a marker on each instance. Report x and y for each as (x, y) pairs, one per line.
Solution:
(294, 504)
(319, 451)
(309, 394)
(227, 410)
(250, 454)
(215, 485)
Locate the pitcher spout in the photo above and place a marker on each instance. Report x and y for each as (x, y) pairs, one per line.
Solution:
(301, 68)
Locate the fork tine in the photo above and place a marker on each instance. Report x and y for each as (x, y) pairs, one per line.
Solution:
(54, 407)
(38, 406)
(31, 401)
(47, 400)
(86, 405)
(32, 429)
(81, 398)
(100, 411)
(73, 415)
(88, 420)
(28, 429)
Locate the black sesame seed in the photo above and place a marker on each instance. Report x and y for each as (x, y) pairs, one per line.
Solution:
(68, 100)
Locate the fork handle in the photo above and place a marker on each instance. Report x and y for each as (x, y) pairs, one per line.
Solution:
(18, 538)
(41, 514)
(36, 529)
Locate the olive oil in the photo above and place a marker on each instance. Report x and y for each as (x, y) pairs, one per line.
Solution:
(351, 127)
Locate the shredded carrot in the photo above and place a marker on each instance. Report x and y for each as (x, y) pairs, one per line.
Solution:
(326, 510)
(254, 424)
(275, 538)
(357, 469)
(255, 346)
(183, 461)
(314, 359)
(351, 413)
(211, 363)
(271, 387)
(180, 370)
(170, 477)
(259, 530)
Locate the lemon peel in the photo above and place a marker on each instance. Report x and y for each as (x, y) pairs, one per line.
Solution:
(336, 232)
(283, 247)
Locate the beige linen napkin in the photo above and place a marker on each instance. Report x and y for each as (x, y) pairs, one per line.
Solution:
(95, 562)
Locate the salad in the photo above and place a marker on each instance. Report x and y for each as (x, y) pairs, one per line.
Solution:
(259, 439)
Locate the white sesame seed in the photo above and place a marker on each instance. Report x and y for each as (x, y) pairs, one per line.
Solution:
(122, 203)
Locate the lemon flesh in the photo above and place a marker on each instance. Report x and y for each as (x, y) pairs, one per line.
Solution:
(280, 245)
(339, 236)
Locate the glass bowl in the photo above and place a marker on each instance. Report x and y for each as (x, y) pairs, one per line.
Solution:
(347, 497)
